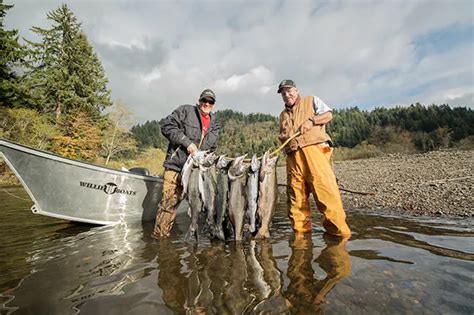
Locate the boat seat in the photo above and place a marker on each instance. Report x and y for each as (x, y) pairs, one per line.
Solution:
(140, 170)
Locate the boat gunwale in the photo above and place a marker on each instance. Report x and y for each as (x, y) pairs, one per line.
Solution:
(61, 159)
(36, 208)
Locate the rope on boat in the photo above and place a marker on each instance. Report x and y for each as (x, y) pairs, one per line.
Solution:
(13, 195)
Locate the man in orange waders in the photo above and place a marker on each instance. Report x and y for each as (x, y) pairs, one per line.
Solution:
(308, 162)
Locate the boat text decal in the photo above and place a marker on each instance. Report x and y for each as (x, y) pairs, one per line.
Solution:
(109, 188)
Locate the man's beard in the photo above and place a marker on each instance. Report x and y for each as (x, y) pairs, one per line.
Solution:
(294, 103)
(290, 105)
(205, 111)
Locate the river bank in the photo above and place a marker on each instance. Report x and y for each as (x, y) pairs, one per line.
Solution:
(438, 183)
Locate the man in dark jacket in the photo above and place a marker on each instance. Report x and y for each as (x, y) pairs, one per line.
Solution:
(189, 128)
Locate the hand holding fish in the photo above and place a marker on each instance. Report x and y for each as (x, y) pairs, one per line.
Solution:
(192, 149)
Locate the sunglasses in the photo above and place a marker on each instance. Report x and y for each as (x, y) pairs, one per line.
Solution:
(208, 101)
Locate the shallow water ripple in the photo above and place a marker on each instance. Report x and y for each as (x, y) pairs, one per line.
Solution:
(390, 265)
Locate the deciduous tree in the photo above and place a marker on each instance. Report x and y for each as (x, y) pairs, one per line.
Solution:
(116, 136)
(80, 138)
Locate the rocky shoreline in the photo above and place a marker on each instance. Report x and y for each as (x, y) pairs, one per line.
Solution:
(436, 184)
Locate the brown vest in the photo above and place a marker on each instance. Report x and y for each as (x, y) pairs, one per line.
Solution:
(292, 118)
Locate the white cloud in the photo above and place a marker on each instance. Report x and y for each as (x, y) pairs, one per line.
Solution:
(147, 78)
(158, 55)
(255, 77)
(463, 99)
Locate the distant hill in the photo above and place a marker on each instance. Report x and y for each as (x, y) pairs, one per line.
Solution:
(422, 128)
(246, 133)
(240, 133)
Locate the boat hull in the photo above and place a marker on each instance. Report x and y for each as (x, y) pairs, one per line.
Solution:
(77, 191)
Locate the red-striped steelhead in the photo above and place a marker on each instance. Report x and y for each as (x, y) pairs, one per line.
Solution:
(267, 194)
(237, 200)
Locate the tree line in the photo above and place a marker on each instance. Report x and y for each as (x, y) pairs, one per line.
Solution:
(239, 133)
(423, 128)
(428, 127)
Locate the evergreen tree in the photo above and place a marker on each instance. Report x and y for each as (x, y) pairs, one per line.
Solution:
(64, 72)
(10, 55)
(399, 129)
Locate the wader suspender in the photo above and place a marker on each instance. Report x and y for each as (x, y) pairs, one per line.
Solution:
(202, 132)
(202, 139)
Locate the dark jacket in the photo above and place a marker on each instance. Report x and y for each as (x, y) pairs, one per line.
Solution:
(182, 128)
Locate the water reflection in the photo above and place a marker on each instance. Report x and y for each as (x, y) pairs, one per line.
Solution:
(391, 265)
(238, 278)
(414, 234)
(170, 279)
(268, 280)
(306, 291)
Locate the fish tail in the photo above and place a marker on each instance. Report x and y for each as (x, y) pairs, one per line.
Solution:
(252, 226)
(192, 235)
(219, 232)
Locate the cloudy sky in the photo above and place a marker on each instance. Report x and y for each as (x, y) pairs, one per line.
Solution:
(160, 54)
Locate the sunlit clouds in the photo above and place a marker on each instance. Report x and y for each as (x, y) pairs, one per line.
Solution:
(160, 54)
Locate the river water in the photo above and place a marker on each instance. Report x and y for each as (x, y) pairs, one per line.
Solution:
(391, 265)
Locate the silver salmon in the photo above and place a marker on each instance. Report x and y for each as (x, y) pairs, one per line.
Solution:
(267, 194)
(273, 302)
(208, 173)
(186, 170)
(222, 168)
(237, 201)
(195, 187)
(252, 192)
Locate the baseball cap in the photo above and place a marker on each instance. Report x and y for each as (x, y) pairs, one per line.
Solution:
(208, 93)
(286, 83)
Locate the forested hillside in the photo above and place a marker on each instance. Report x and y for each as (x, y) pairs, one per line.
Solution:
(239, 133)
(429, 127)
(413, 128)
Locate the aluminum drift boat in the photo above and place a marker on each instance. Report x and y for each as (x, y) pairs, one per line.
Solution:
(77, 191)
